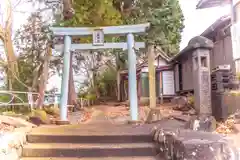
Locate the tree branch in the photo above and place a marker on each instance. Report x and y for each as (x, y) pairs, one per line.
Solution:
(17, 4)
(9, 14)
(2, 33)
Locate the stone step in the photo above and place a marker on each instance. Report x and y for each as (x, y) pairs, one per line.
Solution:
(89, 150)
(96, 158)
(120, 138)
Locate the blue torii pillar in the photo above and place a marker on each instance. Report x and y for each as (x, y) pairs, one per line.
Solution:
(65, 79)
(132, 77)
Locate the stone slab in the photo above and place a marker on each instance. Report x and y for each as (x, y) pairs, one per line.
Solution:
(194, 145)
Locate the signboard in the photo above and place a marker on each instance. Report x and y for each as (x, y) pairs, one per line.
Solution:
(168, 83)
(98, 37)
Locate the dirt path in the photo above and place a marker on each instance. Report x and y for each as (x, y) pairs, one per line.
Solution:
(116, 114)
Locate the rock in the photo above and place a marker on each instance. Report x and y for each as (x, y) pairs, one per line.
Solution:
(144, 101)
(184, 118)
(36, 121)
(201, 149)
(11, 145)
(202, 123)
(16, 122)
(190, 112)
(181, 103)
(154, 114)
(194, 145)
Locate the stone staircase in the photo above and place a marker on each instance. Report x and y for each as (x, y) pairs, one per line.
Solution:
(74, 145)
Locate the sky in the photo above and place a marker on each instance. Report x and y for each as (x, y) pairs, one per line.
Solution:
(196, 21)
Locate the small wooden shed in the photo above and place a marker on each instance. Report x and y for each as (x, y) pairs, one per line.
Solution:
(164, 77)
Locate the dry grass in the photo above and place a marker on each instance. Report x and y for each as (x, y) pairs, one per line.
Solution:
(226, 127)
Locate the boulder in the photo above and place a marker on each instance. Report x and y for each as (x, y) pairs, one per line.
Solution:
(15, 122)
(202, 123)
(181, 103)
(194, 145)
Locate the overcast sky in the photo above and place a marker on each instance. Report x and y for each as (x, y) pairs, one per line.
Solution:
(196, 21)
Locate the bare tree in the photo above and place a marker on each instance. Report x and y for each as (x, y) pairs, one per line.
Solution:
(6, 37)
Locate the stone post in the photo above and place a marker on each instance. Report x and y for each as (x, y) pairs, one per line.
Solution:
(201, 49)
(202, 81)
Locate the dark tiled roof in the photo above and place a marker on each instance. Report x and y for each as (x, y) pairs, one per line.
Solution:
(217, 24)
(211, 3)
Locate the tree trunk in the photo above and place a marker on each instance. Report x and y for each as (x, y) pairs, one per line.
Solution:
(72, 95)
(96, 86)
(118, 78)
(118, 86)
(12, 60)
(68, 10)
(44, 78)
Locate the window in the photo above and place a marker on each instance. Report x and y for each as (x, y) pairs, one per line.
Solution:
(204, 62)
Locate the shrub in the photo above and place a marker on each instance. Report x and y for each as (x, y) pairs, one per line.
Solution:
(91, 97)
(190, 99)
(235, 93)
(41, 114)
(238, 75)
(54, 111)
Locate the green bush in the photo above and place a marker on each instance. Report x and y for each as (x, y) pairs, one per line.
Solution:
(91, 97)
(190, 99)
(235, 93)
(41, 114)
(9, 113)
(22, 109)
(238, 75)
(3, 109)
(54, 111)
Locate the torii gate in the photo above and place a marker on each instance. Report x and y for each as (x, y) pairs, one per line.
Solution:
(98, 43)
